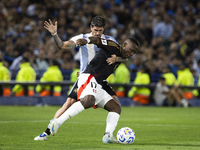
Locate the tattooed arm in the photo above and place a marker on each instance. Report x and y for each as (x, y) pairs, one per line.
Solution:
(114, 58)
(59, 43)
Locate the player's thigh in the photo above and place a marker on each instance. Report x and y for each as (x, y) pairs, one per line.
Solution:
(102, 98)
(110, 91)
(87, 85)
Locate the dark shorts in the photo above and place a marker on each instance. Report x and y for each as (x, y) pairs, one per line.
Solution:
(105, 86)
(166, 103)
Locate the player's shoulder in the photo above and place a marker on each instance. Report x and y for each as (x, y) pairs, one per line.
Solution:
(80, 36)
(107, 37)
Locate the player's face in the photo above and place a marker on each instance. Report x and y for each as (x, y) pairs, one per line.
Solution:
(128, 49)
(97, 31)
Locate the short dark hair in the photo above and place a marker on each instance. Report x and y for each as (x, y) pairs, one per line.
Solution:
(54, 62)
(162, 78)
(24, 59)
(98, 21)
(133, 40)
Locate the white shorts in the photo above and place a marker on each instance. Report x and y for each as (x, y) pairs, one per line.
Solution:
(87, 85)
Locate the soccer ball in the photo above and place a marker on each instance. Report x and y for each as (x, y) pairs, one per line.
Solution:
(125, 135)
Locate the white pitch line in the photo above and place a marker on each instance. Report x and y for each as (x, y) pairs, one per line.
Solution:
(103, 123)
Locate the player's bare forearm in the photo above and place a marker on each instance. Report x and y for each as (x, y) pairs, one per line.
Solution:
(113, 59)
(69, 45)
(58, 41)
(121, 60)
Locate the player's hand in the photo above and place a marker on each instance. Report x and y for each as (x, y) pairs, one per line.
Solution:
(81, 42)
(111, 60)
(50, 27)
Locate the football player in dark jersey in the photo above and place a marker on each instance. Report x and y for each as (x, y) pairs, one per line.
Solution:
(87, 52)
(90, 91)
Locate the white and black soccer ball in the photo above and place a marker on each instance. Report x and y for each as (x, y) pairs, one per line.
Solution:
(126, 135)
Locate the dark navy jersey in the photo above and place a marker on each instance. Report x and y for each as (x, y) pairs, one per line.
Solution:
(98, 66)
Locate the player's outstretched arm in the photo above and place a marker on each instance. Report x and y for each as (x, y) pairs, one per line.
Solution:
(113, 59)
(59, 43)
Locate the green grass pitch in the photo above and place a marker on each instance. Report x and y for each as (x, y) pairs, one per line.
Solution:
(155, 129)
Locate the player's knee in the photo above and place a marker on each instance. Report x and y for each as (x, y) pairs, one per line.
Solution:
(71, 101)
(116, 99)
(88, 101)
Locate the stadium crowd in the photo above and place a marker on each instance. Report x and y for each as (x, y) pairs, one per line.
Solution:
(168, 31)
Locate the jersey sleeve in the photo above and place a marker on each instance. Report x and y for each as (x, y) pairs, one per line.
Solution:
(76, 38)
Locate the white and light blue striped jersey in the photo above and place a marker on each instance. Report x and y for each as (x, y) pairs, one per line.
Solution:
(88, 51)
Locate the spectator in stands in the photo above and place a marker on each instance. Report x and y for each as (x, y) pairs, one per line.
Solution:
(196, 53)
(4, 77)
(120, 76)
(42, 63)
(16, 63)
(174, 65)
(183, 48)
(170, 78)
(136, 62)
(25, 74)
(196, 67)
(185, 78)
(9, 53)
(174, 50)
(140, 94)
(53, 74)
(164, 28)
(163, 96)
(75, 73)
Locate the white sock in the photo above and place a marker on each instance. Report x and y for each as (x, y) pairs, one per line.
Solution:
(184, 102)
(112, 120)
(49, 125)
(73, 110)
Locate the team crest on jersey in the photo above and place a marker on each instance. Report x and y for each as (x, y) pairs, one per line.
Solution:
(104, 42)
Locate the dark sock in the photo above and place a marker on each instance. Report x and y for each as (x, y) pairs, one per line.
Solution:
(47, 131)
